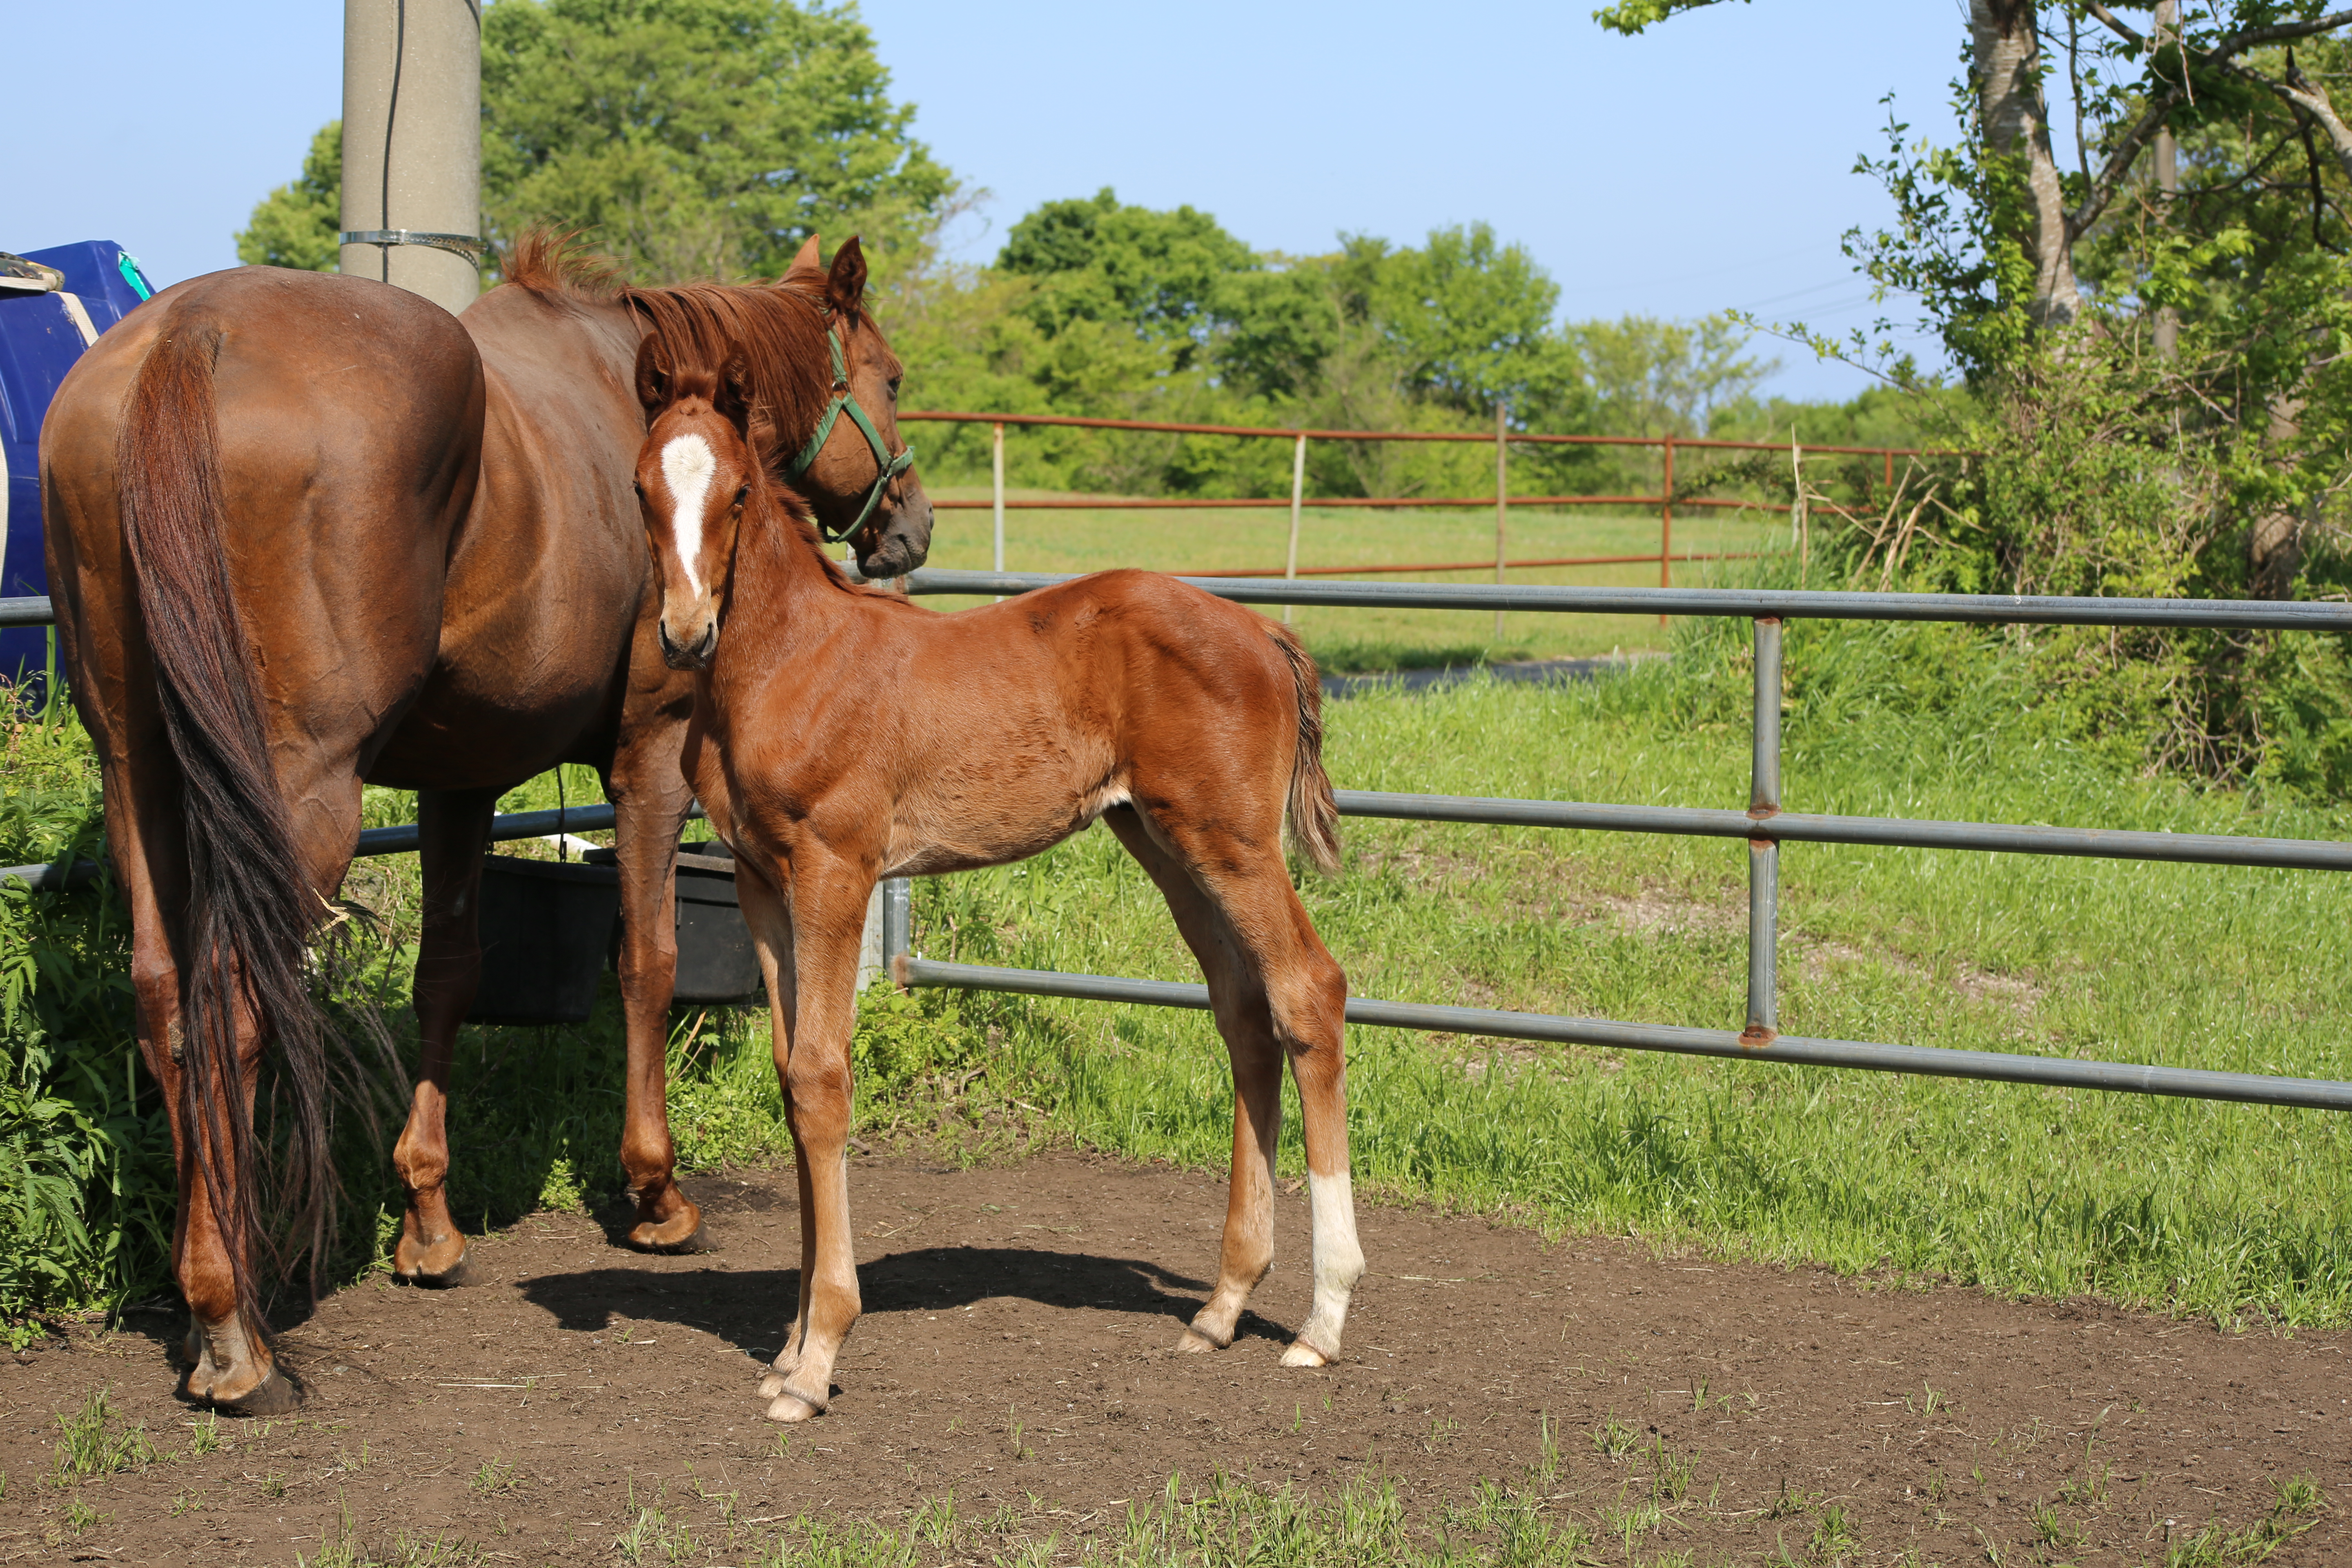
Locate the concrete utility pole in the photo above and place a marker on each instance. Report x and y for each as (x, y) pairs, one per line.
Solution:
(413, 145)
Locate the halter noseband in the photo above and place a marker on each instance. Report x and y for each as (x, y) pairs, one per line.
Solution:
(887, 467)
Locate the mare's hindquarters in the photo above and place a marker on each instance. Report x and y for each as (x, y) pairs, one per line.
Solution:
(248, 487)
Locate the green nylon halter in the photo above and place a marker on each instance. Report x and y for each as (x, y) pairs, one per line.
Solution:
(888, 467)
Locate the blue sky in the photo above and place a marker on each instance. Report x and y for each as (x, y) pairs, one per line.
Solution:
(1702, 166)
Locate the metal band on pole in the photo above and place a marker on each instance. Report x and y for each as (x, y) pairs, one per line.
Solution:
(470, 247)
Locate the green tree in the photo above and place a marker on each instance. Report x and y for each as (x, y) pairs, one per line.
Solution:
(699, 137)
(1166, 274)
(297, 224)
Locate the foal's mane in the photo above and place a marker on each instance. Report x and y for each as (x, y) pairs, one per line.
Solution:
(777, 330)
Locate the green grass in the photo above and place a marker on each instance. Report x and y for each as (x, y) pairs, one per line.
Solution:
(1353, 640)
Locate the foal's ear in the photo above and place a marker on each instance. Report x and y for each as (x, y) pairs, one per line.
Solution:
(845, 286)
(653, 376)
(806, 257)
(732, 396)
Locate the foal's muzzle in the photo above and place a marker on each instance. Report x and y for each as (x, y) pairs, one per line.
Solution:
(693, 656)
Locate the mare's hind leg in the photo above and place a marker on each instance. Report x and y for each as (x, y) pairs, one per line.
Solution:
(229, 1360)
(808, 947)
(1273, 988)
(453, 832)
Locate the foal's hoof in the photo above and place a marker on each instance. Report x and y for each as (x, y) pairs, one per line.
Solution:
(276, 1394)
(1195, 1342)
(792, 1407)
(772, 1385)
(1298, 1352)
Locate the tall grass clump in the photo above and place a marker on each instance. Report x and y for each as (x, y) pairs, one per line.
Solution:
(85, 1156)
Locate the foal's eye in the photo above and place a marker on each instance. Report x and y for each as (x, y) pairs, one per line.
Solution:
(742, 493)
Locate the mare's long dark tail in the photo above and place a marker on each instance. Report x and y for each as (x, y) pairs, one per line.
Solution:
(250, 908)
(1314, 814)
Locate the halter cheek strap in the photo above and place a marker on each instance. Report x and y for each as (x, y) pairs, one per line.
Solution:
(886, 466)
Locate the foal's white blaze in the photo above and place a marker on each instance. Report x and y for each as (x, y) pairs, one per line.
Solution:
(1338, 1264)
(688, 463)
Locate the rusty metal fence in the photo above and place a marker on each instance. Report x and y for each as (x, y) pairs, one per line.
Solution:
(1763, 827)
(1665, 501)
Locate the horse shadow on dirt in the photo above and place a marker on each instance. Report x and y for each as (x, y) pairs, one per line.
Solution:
(752, 1308)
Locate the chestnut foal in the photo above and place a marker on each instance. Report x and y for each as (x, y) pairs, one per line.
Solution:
(840, 735)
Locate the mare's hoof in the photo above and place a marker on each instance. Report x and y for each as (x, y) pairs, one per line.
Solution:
(792, 1407)
(1300, 1353)
(458, 1273)
(433, 1265)
(685, 1233)
(1195, 1342)
(276, 1394)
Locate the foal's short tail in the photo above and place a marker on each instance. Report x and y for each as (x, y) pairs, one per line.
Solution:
(1314, 814)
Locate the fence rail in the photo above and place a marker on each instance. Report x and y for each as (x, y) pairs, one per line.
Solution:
(1764, 827)
(1502, 440)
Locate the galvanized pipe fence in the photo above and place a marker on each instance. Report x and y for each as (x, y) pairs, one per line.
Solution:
(1764, 827)
(1504, 438)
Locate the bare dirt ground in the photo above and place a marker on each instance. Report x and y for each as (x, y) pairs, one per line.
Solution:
(1017, 1350)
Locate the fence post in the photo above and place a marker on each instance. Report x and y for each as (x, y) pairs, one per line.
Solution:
(1502, 502)
(1667, 525)
(997, 466)
(897, 925)
(1298, 494)
(1764, 854)
(1890, 472)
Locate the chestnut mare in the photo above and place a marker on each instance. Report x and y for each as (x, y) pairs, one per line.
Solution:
(307, 532)
(840, 735)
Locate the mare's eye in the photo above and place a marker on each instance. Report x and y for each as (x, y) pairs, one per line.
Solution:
(742, 493)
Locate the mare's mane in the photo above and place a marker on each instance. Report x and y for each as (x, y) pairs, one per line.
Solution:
(557, 261)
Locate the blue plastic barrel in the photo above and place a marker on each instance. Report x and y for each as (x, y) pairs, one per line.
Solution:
(41, 335)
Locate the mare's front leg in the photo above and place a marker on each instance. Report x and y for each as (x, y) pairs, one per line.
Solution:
(650, 799)
(808, 943)
(453, 833)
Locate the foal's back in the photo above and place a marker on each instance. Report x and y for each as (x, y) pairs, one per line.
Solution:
(1019, 723)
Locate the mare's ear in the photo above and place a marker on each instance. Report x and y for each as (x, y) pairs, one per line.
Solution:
(805, 257)
(653, 376)
(845, 286)
(732, 396)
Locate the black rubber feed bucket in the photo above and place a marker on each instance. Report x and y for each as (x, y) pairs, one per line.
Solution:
(546, 927)
(715, 959)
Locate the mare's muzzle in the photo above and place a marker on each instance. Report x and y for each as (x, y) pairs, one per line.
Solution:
(901, 544)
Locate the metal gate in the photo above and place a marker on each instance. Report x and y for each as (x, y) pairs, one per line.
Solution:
(1763, 826)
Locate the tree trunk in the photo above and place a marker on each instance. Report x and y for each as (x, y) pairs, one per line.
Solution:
(2167, 178)
(2274, 542)
(2312, 99)
(2008, 69)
